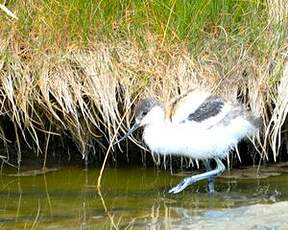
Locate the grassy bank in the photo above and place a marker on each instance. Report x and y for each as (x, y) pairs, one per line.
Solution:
(75, 68)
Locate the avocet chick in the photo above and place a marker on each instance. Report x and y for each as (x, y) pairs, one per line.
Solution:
(198, 125)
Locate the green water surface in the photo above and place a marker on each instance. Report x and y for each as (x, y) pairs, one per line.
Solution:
(131, 198)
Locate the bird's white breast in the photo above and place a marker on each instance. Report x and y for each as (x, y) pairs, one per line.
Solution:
(196, 142)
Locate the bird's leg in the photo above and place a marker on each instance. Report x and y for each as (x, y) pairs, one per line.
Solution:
(191, 180)
(211, 179)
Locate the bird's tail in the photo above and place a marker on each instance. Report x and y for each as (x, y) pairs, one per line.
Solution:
(255, 121)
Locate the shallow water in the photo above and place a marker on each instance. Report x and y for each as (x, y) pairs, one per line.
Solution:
(137, 198)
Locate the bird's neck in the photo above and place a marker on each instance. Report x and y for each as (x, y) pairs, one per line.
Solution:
(156, 117)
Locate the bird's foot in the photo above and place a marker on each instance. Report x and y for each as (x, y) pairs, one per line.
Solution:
(211, 185)
(182, 185)
(207, 175)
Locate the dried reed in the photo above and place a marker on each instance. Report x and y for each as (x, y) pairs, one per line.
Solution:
(86, 89)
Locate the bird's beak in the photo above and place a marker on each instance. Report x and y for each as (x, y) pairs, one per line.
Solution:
(129, 132)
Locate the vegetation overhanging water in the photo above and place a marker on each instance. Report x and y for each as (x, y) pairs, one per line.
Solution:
(71, 71)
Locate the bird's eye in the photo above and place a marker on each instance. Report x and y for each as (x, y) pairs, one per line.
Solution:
(144, 113)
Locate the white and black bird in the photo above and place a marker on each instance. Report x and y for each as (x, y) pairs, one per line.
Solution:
(198, 125)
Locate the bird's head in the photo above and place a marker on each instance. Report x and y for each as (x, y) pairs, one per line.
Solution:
(147, 112)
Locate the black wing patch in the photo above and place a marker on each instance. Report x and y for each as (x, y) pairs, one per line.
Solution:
(209, 108)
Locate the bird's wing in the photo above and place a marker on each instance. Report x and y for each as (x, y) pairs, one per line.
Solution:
(199, 106)
(211, 107)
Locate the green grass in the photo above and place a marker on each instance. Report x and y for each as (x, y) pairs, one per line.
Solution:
(65, 23)
(56, 61)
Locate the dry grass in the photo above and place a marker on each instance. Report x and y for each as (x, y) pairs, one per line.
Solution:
(278, 10)
(84, 92)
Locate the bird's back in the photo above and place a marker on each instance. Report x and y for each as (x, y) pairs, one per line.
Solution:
(185, 104)
(199, 107)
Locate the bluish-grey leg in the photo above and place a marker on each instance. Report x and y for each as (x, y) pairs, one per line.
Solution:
(211, 179)
(191, 180)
